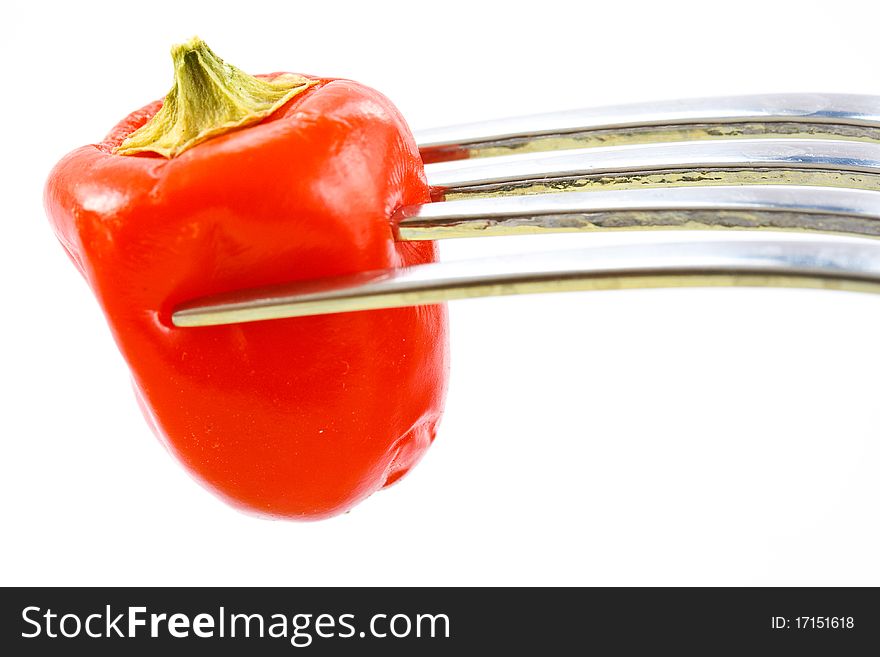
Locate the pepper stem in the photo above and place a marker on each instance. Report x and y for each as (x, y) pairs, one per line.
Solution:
(209, 98)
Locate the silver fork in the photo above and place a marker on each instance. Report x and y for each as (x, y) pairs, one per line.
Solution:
(807, 163)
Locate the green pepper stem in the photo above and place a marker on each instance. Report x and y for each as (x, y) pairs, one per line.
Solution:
(209, 98)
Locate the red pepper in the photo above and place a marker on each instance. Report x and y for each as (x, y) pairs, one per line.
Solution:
(297, 418)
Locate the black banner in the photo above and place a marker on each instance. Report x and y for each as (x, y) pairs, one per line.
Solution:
(279, 621)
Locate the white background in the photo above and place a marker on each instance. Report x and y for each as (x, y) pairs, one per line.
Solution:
(641, 437)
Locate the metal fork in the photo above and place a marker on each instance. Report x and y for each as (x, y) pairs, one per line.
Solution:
(807, 163)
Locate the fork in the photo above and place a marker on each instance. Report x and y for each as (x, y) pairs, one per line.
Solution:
(803, 163)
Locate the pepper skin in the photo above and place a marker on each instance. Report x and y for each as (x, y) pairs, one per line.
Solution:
(295, 418)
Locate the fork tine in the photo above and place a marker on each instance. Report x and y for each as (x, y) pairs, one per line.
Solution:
(767, 161)
(767, 263)
(777, 207)
(823, 116)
